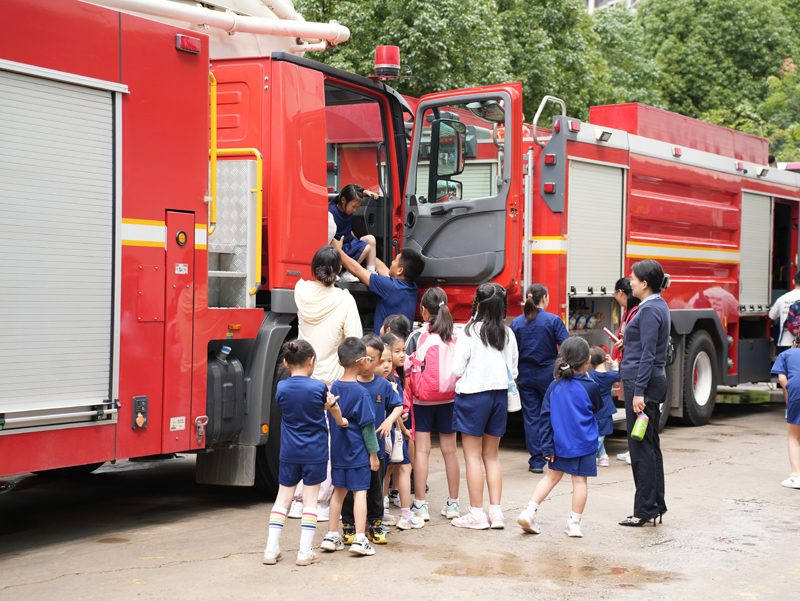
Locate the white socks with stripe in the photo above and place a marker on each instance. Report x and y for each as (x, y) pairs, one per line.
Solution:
(277, 518)
(307, 528)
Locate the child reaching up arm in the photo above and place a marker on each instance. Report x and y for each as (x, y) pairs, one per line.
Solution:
(604, 378)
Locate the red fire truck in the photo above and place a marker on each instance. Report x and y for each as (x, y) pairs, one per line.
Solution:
(144, 306)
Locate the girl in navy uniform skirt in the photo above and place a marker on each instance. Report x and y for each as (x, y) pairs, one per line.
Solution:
(568, 433)
(342, 209)
(485, 354)
(304, 447)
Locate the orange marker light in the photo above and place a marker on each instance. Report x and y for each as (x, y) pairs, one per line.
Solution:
(234, 326)
(265, 428)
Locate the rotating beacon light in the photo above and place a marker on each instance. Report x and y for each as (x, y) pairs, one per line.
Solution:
(387, 62)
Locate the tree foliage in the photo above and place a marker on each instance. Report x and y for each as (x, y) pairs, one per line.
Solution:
(719, 60)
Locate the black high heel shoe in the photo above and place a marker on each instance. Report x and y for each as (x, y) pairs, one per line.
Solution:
(629, 521)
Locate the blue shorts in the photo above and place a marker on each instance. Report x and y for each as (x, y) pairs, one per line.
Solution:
(793, 413)
(289, 474)
(481, 413)
(434, 417)
(353, 247)
(575, 466)
(351, 478)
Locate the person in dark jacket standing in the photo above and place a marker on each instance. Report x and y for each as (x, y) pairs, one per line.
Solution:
(644, 385)
(538, 334)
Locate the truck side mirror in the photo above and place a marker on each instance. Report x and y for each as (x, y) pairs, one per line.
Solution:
(449, 137)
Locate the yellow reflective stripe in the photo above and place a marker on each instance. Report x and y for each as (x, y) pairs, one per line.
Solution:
(545, 245)
(140, 232)
(200, 237)
(637, 250)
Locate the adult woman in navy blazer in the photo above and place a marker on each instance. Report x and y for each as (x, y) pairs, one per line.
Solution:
(538, 334)
(644, 385)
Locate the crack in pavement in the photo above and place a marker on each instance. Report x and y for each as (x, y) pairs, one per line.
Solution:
(162, 565)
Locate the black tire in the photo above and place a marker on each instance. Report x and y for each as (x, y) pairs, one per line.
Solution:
(71, 472)
(699, 379)
(664, 407)
(267, 455)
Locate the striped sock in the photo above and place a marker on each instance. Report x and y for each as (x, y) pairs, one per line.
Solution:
(276, 520)
(307, 528)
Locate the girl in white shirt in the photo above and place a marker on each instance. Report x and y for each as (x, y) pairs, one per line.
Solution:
(484, 354)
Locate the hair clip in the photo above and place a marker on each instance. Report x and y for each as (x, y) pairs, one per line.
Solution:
(442, 303)
(565, 367)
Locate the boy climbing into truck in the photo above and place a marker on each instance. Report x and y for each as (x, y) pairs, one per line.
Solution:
(395, 285)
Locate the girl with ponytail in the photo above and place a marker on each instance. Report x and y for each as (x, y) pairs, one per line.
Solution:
(569, 434)
(434, 342)
(623, 294)
(486, 354)
(538, 335)
(326, 315)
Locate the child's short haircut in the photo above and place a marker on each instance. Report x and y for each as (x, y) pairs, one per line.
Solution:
(298, 352)
(398, 324)
(372, 341)
(412, 263)
(350, 350)
(598, 355)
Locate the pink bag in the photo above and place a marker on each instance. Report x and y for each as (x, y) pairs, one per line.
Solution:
(429, 370)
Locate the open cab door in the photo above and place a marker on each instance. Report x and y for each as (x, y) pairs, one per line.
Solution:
(462, 199)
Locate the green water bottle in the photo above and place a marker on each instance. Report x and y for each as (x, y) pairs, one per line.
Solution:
(640, 427)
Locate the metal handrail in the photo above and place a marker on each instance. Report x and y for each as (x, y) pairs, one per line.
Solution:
(212, 152)
(545, 100)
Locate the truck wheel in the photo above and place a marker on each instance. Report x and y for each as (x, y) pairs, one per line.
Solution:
(699, 379)
(267, 462)
(664, 408)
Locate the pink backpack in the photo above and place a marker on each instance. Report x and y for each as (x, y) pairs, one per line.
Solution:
(429, 370)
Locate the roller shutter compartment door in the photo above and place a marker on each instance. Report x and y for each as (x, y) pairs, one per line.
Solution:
(754, 256)
(56, 243)
(595, 217)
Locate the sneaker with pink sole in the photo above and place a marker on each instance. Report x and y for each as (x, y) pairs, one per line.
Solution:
(470, 521)
(497, 520)
(602, 461)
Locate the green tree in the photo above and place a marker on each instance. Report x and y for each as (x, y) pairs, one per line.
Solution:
(449, 44)
(634, 74)
(554, 51)
(715, 54)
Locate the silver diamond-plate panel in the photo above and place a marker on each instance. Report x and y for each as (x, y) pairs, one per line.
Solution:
(235, 180)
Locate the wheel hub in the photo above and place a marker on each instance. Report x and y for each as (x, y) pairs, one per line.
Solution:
(701, 378)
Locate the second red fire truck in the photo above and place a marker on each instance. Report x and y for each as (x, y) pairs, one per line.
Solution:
(144, 306)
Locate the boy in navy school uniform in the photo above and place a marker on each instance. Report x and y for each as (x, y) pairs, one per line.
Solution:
(394, 285)
(354, 450)
(384, 401)
(787, 368)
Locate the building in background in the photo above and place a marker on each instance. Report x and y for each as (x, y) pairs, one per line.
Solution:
(593, 5)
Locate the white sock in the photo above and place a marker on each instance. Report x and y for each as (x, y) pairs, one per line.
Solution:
(332, 533)
(277, 518)
(418, 503)
(532, 507)
(361, 537)
(494, 508)
(370, 268)
(405, 512)
(476, 511)
(449, 500)
(575, 517)
(307, 529)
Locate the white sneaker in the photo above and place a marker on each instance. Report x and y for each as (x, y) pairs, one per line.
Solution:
(573, 528)
(497, 520)
(388, 518)
(626, 457)
(296, 510)
(362, 547)
(527, 520)
(306, 559)
(272, 557)
(470, 521)
(323, 513)
(332, 542)
(349, 278)
(385, 503)
(450, 510)
(791, 482)
(411, 522)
